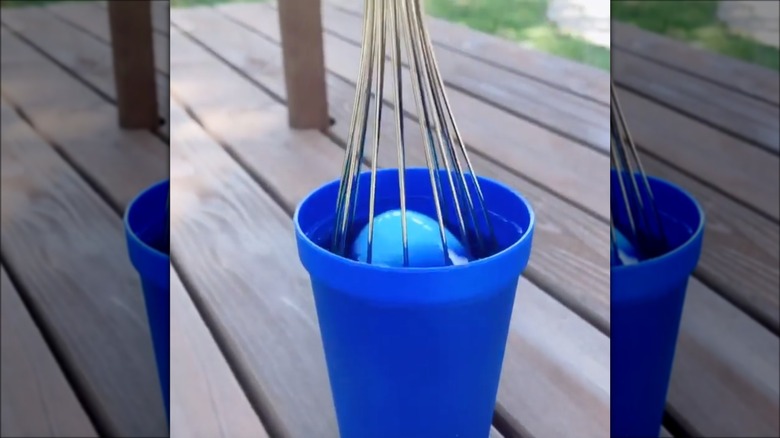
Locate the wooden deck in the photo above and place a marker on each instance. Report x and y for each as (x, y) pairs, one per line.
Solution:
(76, 353)
(246, 355)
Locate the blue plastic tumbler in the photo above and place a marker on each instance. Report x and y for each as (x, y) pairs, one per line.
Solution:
(414, 352)
(146, 230)
(647, 302)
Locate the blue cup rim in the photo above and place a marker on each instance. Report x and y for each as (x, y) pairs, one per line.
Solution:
(322, 252)
(131, 232)
(681, 248)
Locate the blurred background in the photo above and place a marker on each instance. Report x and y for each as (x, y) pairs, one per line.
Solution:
(699, 87)
(84, 130)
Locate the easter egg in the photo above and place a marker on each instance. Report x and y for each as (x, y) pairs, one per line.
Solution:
(627, 253)
(423, 239)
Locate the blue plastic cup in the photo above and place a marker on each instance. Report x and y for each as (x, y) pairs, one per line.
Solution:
(647, 302)
(414, 352)
(146, 230)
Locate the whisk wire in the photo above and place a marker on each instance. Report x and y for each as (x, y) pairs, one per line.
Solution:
(395, 24)
(356, 136)
(379, 67)
(385, 25)
(647, 231)
(420, 94)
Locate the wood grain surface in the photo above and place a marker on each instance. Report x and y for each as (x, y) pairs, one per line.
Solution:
(67, 247)
(731, 111)
(258, 303)
(725, 380)
(206, 399)
(81, 124)
(37, 401)
(573, 171)
(75, 50)
(291, 163)
(751, 79)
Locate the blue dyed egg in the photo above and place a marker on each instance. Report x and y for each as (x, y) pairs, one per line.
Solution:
(423, 237)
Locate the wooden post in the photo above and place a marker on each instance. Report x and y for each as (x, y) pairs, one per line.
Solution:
(300, 23)
(134, 71)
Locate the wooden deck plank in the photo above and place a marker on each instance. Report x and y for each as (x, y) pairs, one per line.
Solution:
(588, 386)
(75, 50)
(206, 399)
(725, 380)
(50, 213)
(751, 79)
(92, 18)
(733, 166)
(731, 111)
(575, 172)
(574, 269)
(266, 322)
(81, 124)
(570, 76)
(241, 50)
(37, 400)
(557, 110)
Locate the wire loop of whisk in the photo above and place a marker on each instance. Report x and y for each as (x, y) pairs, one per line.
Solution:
(398, 26)
(643, 225)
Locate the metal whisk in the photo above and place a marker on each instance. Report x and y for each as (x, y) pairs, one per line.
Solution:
(641, 225)
(389, 25)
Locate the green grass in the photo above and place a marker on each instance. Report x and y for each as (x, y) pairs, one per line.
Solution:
(695, 22)
(523, 21)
